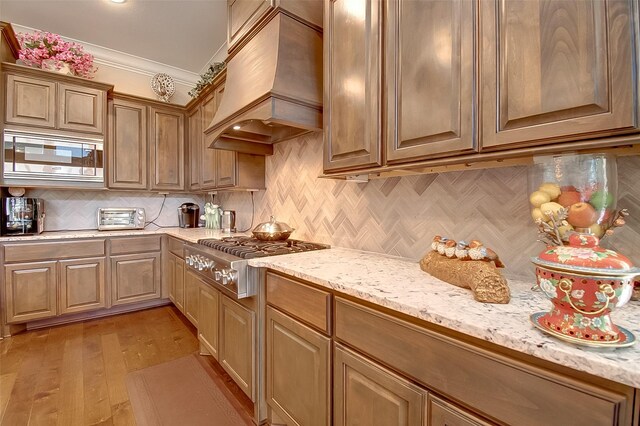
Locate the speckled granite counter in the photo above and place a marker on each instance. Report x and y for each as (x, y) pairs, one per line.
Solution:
(401, 285)
(191, 235)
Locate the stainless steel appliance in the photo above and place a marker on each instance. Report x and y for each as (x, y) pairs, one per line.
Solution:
(188, 215)
(224, 262)
(49, 157)
(112, 218)
(228, 221)
(22, 216)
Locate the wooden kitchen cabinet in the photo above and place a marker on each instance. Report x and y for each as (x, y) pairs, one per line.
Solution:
(30, 101)
(237, 344)
(30, 291)
(352, 86)
(191, 297)
(207, 155)
(166, 148)
(298, 371)
(368, 394)
(81, 286)
(208, 319)
(127, 148)
(442, 413)
(194, 144)
(430, 78)
(557, 70)
(81, 109)
(135, 277)
(47, 100)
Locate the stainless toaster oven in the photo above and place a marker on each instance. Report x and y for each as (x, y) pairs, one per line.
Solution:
(121, 218)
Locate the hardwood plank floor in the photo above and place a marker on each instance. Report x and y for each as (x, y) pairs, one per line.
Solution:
(75, 374)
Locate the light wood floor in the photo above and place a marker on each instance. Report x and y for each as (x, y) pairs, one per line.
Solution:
(75, 374)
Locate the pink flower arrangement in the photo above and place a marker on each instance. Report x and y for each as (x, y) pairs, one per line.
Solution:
(43, 46)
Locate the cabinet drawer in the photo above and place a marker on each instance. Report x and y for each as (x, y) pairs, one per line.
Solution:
(176, 247)
(135, 244)
(53, 250)
(300, 300)
(507, 389)
(441, 413)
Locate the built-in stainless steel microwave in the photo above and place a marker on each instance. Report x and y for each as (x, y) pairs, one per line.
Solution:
(41, 156)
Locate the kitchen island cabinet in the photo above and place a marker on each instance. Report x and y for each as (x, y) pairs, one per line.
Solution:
(472, 363)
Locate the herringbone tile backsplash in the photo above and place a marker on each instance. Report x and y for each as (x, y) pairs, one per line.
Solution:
(77, 209)
(400, 216)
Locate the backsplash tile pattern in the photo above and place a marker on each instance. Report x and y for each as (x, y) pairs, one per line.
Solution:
(399, 216)
(66, 209)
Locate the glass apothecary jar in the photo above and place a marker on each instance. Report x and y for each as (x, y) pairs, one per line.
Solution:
(586, 185)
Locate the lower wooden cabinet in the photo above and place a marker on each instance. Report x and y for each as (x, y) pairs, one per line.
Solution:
(30, 291)
(298, 371)
(82, 285)
(191, 296)
(134, 278)
(442, 413)
(208, 318)
(237, 344)
(368, 394)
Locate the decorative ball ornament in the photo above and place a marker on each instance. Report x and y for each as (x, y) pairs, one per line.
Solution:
(163, 87)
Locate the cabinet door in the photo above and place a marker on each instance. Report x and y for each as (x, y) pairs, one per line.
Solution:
(242, 15)
(178, 280)
(442, 413)
(81, 285)
(298, 366)
(30, 290)
(430, 78)
(166, 149)
(191, 297)
(134, 278)
(237, 343)
(352, 86)
(170, 275)
(208, 155)
(194, 132)
(556, 70)
(127, 145)
(226, 162)
(31, 101)
(81, 108)
(208, 318)
(367, 394)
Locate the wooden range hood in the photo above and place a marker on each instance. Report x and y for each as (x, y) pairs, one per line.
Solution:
(273, 90)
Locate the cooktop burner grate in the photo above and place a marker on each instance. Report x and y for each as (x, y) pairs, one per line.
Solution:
(249, 248)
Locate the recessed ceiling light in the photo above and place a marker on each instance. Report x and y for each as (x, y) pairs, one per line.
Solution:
(236, 127)
(118, 1)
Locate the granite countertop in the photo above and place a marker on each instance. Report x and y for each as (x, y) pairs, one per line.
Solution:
(191, 235)
(401, 285)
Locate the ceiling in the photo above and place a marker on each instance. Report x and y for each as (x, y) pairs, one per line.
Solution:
(181, 33)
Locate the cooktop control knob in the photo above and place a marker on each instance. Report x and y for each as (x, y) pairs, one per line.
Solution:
(217, 275)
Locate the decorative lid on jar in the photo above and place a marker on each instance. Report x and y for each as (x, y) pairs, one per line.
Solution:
(584, 255)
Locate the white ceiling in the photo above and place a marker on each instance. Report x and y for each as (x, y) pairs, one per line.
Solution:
(182, 33)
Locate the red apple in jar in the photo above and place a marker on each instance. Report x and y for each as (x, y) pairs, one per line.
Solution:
(582, 215)
(569, 198)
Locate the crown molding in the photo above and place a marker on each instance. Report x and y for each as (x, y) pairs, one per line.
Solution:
(219, 56)
(124, 61)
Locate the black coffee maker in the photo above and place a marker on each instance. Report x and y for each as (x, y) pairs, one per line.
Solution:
(188, 215)
(22, 216)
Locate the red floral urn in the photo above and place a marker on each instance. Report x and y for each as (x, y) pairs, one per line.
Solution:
(585, 283)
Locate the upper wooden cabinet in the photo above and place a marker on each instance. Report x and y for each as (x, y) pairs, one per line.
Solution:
(472, 81)
(127, 146)
(31, 101)
(213, 169)
(557, 70)
(48, 100)
(352, 86)
(430, 78)
(166, 148)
